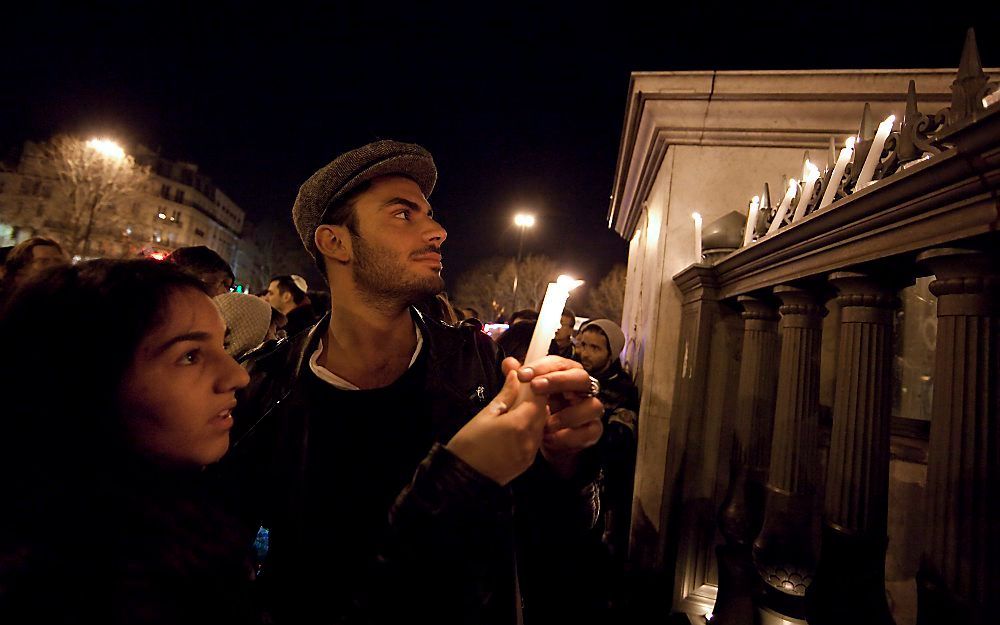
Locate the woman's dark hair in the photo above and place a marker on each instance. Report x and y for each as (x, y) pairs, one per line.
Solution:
(515, 340)
(69, 336)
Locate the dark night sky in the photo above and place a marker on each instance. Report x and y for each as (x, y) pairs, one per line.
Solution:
(521, 106)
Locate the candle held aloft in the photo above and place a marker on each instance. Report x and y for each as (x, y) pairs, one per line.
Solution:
(779, 216)
(751, 220)
(875, 153)
(811, 177)
(697, 236)
(838, 173)
(549, 317)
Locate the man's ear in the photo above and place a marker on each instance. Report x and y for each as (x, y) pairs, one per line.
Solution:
(333, 242)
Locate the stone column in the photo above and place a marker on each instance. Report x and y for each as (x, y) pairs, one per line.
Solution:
(959, 577)
(784, 552)
(850, 578)
(742, 511)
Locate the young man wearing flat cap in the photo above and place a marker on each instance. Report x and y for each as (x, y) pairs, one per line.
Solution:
(389, 457)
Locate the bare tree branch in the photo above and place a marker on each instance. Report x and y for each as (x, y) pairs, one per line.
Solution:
(96, 187)
(607, 300)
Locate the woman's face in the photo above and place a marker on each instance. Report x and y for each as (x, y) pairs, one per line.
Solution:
(178, 394)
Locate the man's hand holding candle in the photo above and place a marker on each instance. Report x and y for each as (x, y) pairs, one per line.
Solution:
(502, 441)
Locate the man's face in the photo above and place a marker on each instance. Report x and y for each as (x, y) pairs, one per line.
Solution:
(278, 300)
(592, 350)
(397, 252)
(565, 331)
(42, 257)
(217, 282)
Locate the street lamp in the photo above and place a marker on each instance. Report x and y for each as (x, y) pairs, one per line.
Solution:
(107, 147)
(522, 221)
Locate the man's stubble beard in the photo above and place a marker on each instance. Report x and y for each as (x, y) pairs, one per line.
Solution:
(382, 279)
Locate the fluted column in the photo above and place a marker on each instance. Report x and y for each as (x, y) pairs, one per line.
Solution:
(850, 578)
(959, 577)
(742, 511)
(784, 552)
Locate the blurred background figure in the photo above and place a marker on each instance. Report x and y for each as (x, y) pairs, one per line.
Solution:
(523, 315)
(562, 343)
(248, 321)
(28, 258)
(206, 265)
(515, 339)
(598, 348)
(276, 329)
(4, 251)
(439, 308)
(469, 313)
(287, 295)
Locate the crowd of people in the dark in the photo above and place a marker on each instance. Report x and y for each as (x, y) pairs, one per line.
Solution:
(175, 452)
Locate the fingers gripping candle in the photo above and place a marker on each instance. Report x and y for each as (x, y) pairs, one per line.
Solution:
(548, 322)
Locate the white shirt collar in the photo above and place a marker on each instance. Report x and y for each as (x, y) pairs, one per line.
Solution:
(336, 381)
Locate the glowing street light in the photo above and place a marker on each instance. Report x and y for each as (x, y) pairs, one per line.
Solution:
(107, 147)
(522, 221)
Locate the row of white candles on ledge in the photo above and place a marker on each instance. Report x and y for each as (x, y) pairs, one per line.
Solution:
(811, 176)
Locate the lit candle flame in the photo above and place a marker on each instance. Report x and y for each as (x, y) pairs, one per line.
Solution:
(812, 172)
(567, 282)
(849, 144)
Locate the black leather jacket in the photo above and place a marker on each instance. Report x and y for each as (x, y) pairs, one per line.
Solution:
(450, 553)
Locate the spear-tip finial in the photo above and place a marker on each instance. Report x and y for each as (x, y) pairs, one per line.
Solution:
(867, 130)
(765, 198)
(911, 113)
(970, 66)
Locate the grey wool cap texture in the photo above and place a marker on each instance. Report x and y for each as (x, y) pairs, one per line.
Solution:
(351, 169)
(616, 338)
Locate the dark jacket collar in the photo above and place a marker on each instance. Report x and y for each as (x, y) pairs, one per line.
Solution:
(440, 340)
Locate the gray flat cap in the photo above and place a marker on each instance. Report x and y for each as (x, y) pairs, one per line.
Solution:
(335, 181)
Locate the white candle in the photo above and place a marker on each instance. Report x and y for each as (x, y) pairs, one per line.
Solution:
(875, 153)
(549, 318)
(811, 177)
(779, 216)
(838, 173)
(751, 220)
(697, 236)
